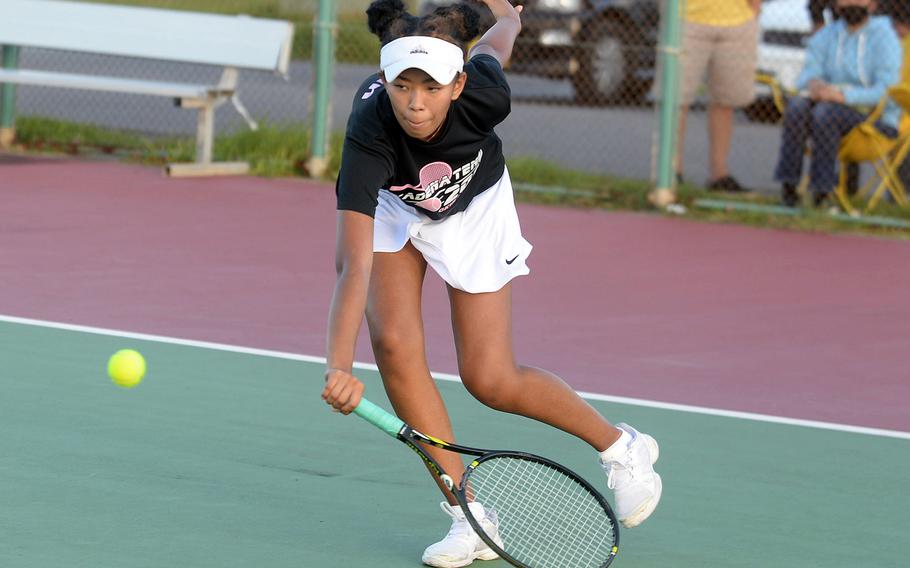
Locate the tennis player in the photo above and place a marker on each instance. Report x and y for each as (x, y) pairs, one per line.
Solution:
(423, 182)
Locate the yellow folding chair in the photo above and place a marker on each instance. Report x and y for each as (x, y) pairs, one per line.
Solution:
(866, 143)
(778, 92)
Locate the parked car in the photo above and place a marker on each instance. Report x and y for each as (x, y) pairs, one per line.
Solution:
(605, 47)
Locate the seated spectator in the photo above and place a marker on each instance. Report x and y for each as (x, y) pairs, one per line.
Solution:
(821, 12)
(850, 63)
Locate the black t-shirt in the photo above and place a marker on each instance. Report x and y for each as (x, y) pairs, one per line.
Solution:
(439, 177)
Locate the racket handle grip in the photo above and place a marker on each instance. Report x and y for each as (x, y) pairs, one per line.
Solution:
(388, 423)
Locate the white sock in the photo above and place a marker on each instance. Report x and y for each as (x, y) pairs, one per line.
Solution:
(617, 449)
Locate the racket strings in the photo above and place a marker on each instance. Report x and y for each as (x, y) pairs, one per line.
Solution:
(522, 522)
(546, 518)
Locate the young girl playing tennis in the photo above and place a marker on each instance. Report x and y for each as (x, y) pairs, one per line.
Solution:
(423, 182)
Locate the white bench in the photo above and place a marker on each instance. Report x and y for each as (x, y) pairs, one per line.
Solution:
(231, 42)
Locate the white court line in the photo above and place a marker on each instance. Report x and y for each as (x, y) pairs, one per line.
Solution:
(447, 377)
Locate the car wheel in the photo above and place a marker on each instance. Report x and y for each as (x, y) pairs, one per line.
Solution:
(607, 64)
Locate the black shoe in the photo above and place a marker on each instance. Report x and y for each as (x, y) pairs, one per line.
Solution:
(852, 178)
(819, 199)
(788, 195)
(726, 183)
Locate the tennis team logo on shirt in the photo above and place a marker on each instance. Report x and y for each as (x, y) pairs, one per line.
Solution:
(439, 185)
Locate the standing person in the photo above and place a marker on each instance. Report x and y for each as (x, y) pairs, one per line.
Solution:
(423, 182)
(720, 39)
(850, 63)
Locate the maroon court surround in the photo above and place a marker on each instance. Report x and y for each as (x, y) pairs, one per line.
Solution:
(795, 324)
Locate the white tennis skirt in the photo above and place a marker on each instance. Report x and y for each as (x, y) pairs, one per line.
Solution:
(477, 250)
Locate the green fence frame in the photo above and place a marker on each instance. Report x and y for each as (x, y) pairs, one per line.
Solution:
(325, 29)
(10, 60)
(669, 50)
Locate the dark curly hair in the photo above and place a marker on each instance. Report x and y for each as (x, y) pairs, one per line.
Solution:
(390, 20)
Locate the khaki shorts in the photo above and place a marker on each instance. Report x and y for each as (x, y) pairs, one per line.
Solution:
(726, 56)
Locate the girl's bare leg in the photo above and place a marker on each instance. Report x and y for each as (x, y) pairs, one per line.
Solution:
(395, 320)
(483, 339)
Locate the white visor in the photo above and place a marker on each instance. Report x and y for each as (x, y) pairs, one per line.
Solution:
(440, 59)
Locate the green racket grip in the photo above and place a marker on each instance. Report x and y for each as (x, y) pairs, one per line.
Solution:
(388, 423)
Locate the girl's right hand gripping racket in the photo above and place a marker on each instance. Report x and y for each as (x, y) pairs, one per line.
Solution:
(548, 516)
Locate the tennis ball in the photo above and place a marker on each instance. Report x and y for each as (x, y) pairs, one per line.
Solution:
(126, 368)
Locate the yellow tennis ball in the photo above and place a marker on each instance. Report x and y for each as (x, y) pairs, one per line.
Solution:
(126, 368)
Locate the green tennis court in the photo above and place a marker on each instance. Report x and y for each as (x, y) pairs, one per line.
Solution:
(229, 458)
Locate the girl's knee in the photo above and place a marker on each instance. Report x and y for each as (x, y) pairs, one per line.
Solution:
(390, 345)
(496, 390)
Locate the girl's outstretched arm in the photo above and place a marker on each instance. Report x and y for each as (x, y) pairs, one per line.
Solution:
(500, 38)
(353, 264)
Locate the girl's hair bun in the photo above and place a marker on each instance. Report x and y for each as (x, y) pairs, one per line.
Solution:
(390, 20)
(382, 15)
(463, 21)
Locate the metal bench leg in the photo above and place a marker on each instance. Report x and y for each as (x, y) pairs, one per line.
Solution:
(205, 133)
(205, 138)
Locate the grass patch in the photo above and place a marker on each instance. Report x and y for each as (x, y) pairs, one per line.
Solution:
(282, 150)
(538, 181)
(272, 150)
(47, 134)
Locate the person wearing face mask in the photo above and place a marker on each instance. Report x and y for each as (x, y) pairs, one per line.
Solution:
(850, 63)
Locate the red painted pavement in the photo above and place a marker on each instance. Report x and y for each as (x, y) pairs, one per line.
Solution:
(794, 324)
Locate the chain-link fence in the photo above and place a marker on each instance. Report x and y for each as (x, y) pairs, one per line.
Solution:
(581, 81)
(583, 77)
(268, 97)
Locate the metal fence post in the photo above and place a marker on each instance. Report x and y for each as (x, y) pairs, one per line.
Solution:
(10, 56)
(664, 191)
(324, 60)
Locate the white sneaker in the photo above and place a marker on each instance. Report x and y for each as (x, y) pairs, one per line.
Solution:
(630, 474)
(461, 546)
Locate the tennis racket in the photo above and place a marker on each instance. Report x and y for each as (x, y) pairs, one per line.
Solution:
(548, 516)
